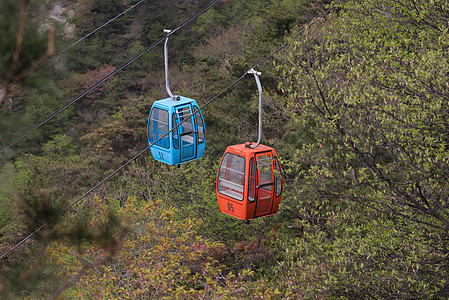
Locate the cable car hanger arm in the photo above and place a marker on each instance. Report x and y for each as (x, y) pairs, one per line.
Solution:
(167, 84)
(259, 87)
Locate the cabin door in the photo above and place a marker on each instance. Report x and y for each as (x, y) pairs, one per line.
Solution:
(187, 132)
(264, 184)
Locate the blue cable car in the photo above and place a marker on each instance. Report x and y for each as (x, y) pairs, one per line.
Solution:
(175, 128)
(184, 143)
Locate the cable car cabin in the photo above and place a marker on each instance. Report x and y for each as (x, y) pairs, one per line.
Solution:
(186, 142)
(249, 182)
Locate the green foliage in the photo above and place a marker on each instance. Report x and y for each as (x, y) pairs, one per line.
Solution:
(61, 145)
(160, 257)
(94, 222)
(361, 255)
(367, 93)
(6, 193)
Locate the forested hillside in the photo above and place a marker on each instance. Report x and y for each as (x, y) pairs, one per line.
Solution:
(356, 106)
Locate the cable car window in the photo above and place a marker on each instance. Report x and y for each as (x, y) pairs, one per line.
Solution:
(231, 176)
(186, 131)
(158, 127)
(175, 133)
(264, 165)
(252, 181)
(277, 173)
(200, 124)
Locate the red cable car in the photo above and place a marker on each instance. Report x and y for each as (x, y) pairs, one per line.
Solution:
(249, 182)
(249, 179)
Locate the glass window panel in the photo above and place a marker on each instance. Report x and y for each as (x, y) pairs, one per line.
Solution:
(186, 133)
(175, 133)
(158, 127)
(200, 122)
(231, 176)
(278, 177)
(187, 125)
(264, 165)
(252, 181)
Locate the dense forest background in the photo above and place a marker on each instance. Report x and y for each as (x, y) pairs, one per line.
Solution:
(356, 107)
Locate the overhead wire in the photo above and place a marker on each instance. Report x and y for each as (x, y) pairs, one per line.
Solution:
(107, 77)
(79, 40)
(80, 198)
(174, 128)
(102, 26)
